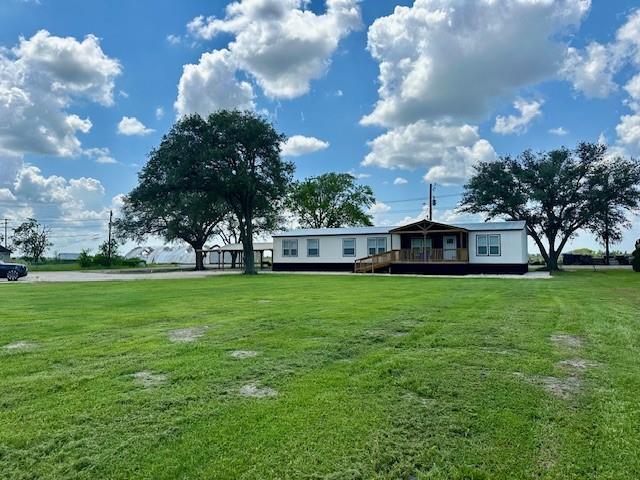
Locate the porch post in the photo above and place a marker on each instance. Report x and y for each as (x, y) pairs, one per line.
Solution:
(424, 246)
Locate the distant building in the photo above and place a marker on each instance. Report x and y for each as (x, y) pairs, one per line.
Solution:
(68, 257)
(5, 254)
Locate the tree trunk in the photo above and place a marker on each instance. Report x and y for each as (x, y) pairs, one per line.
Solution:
(199, 257)
(247, 246)
(543, 251)
(234, 259)
(552, 263)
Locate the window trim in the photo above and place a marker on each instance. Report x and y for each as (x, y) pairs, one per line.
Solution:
(487, 244)
(284, 248)
(317, 248)
(376, 248)
(354, 246)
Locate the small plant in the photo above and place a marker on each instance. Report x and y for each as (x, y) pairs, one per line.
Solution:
(85, 260)
(636, 257)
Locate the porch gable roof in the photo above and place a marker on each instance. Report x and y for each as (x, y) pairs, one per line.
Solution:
(426, 226)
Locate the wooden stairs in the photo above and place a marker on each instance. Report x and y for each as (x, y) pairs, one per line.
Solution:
(376, 263)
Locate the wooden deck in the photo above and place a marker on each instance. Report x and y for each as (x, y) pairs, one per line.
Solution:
(384, 260)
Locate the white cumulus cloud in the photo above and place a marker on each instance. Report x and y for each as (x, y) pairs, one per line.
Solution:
(378, 211)
(213, 84)
(400, 181)
(280, 43)
(559, 131)
(132, 126)
(449, 59)
(518, 124)
(628, 131)
(592, 70)
(300, 145)
(40, 79)
(77, 209)
(447, 151)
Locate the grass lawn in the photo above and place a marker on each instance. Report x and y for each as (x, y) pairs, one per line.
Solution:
(370, 377)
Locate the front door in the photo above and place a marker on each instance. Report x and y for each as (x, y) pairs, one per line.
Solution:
(450, 251)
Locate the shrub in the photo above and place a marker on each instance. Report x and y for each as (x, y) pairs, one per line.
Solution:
(636, 257)
(85, 259)
(101, 260)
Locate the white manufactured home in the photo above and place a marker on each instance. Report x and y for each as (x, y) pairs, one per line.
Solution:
(425, 247)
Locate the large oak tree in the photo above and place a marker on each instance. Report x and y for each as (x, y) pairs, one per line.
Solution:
(331, 200)
(242, 161)
(164, 203)
(557, 193)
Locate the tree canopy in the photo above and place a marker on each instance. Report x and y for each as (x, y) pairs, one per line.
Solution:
(242, 162)
(32, 239)
(164, 203)
(557, 193)
(331, 200)
(615, 192)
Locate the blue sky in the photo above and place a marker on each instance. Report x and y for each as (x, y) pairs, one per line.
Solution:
(569, 64)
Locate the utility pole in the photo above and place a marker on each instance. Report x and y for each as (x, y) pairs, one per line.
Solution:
(6, 239)
(606, 239)
(110, 222)
(606, 226)
(430, 201)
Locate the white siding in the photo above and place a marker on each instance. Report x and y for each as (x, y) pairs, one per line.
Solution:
(395, 241)
(330, 248)
(513, 247)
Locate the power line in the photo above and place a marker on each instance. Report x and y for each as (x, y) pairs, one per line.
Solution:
(420, 199)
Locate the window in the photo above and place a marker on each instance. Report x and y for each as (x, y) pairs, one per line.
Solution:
(376, 245)
(349, 247)
(488, 245)
(419, 244)
(313, 247)
(290, 248)
(494, 245)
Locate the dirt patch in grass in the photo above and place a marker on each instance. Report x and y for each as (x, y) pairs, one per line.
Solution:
(17, 346)
(576, 364)
(186, 335)
(566, 340)
(243, 354)
(563, 388)
(256, 391)
(400, 334)
(148, 379)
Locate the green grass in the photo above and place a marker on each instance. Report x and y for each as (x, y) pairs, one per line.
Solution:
(377, 377)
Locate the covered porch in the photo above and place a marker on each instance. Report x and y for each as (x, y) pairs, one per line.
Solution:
(423, 242)
(428, 242)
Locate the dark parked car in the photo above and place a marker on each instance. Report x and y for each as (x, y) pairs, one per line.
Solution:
(12, 271)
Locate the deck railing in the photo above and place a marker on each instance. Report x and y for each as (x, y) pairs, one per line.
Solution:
(416, 255)
(376, 262)
(434, 255)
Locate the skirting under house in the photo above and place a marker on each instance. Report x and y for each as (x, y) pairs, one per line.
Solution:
(424, 247)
